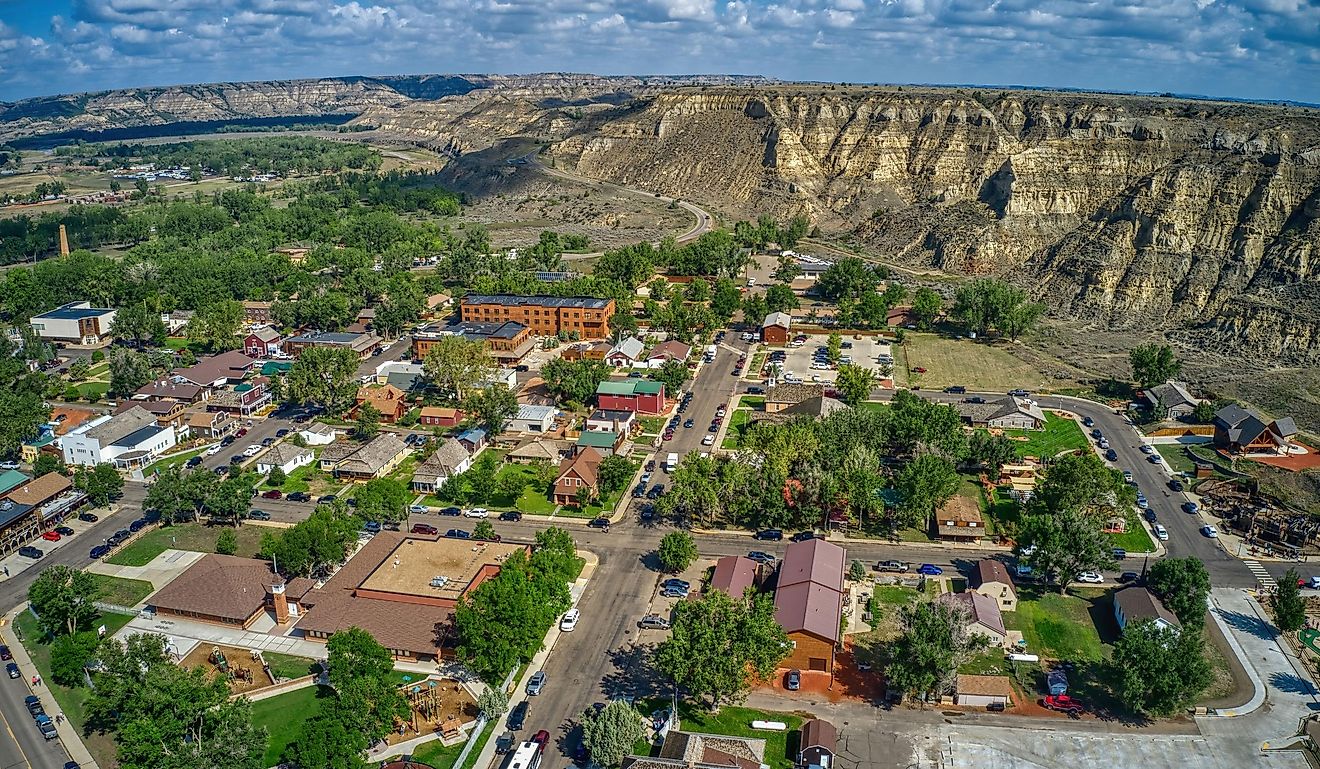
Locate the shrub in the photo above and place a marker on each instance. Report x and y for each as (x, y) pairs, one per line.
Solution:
(227, 542)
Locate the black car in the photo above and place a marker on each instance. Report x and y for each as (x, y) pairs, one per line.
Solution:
(1176, 485)
(450, 511)
(195, 461)
(599, 523)
(458, 534)
(689, 423)
(803, 536)
(955, 389)
(327, 499)
(64, 531)
(33, 704)
(100, 551)
(1097, 434)
(772, 535)
(299, 496)
(1128, 576)
(138, 525)
(237, 459)
(755, 390)
(280, 433)
(1019, 393)
(5, 654)
(1087, 422)
(510, 515)
(28, 551)
(267, 441)
(648, 512)
(974, 399)
(656, 491)
(650, 465)
(517, 716)
(1111, 455)
(371, 527)
(228, 440)
(12, 670)
(1150, 515)
(89, 517)
(639, 490)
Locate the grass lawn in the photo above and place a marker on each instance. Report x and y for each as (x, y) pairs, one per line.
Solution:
(289, 666)
(93, 390)
(979, 366)
(1136, 539)
(752, 401)
(171, 460)
(653, 425)
(125, 592)
(298, 480)
(1002, 511)
(733, 434)
(988, 663)
(439, 756)
(873, 406)
(1063, 627)
(1059, 435)
(184, 536)
(404, 472)
(284, 715)
(535, 501)
(737, 722)
(604, 506)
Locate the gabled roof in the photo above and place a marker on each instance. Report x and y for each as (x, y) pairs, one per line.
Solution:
(819, 734)
(222, 586)
(10, 479)
(813, 560)
(733, 574)
(539, 450)
(584, 464)
(442, 412)
(630, 348)
(1139, 603)
(264, 333)
(226, 365)
(283, 454)
(810, 608)
(989, 570)
(377, 453)
(777, 319)
(671, 348)
(791, 393)
(1171, 394)
(40, 490)
(444, 462)
(981, 609)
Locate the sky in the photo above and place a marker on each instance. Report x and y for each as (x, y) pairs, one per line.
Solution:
(1256, 49)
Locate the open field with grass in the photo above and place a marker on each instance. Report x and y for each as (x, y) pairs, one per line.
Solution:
(125, 592)
(284, 715)
(290, 666)
(978, 366)
(1059, 435)
(302, 479)
(171, 460)
(734, 722)
(185, 536)
(1063, 627)
(1136, 539)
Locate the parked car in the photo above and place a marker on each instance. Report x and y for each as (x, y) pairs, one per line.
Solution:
(1063, 704)
(272, 494)
(1190, 507)
(51, 536)
(955, 389)
(1087, 421)
(259, 515)
(674, 592)
(12, 670)
(517, 716)
(458, 534)
(418, 509)
(929, 570)
(510, 515)
(1210, 531)
(541, 738)
(653, 622)
(803, 536)
(1111, 455)
(708, 440)
(1096, 434)
(5, 654)
(974, 399)
(28, 551)
(424, 528)
(137, 525)
(1161, 533)
(299, 496)
(476, 512)
(1019, 393)
(568, 623)
(450, 511)
(195, 461)
(1118, 553)
(1154, 459)
(894, 566)
(1149, 514)
(793, 681)
(64, 531)
(1127, 476)
(772, 535)
(760, 557)
(639, 490)
(1146, 448)
(1128, 576)
(1176, 485)
(536, 683)
(47, 728)
(88, 517)
(675, 582)
(1091, 577)
(599, 523)
(327, 499)
(100, 551)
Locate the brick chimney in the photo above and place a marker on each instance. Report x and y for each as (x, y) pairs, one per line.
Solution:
(281, 604)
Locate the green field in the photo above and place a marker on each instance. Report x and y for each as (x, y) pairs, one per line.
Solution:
(125, 592)
(735, 722)
(439, 756)
(1059, 435)
(1062, 627)
(1136, 539)
(185, 536)
(289, 666)
(170, 461)
(298, 480)
(284, 715)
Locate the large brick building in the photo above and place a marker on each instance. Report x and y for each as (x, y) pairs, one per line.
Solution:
(507, 341)
(544, 315)
(809, 602)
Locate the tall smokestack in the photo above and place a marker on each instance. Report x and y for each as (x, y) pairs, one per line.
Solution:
(64, 241)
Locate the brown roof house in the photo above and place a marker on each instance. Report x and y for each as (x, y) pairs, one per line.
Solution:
(959, 520)
(817, 745)
(1138, 603)
(983, 615)
(983, 691)
(364, 461)
(733, 575)
(809, 602)
(782, 396)
(218, 370)
(691, 750)
(449, 460)
(227, 590)
(575, 473)
(388, 400)
(991, 579)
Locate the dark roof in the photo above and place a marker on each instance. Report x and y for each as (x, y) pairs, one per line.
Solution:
(72, 311)
(138, 435)
(229, 365)
(1231, 415)
(111, 431)
(733, 574)
(472, 330)
(1139, 603)
(819, 734)
(11, 511)
(224, 586)
(611, 415)
(809, 607)
(813, 560)
(328, 337)
(990, 570)
(510, 300)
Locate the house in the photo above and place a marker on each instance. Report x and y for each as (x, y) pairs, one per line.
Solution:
(545, 315)
(244, 399)
(733, 575)
(784, 395)
(473, 439)
(1020, 478)
(774, 329)
(1170, 400)
(692, 750)
(363, 462)
(817, 744)
(262, 342)
(1007, 413)
(256, 312)
(587, 351)
(809, 602)
(626, 353)
(1245, 431)
(168, 390)
(959, 520)
(76, 323)
(175, 321)
(440, 416)
(539, 450)
(388, 400)
(449, 459)
(816, 407)
(129, 439)
(644, 396)
(983, 615)
(1138, 603)
(577, 472)
(228, 590)
(507, 341)
(285, 456)
(667, 351)
(207, 425)
(532, 419)
(364, 345)
(900, 316)
(167, 413)
(318, 434)
(407, 376)
(983, 691)
(605, 442)
(10, 479)
(437, 305)
(217, 370)
(991, 579)
(621, 422)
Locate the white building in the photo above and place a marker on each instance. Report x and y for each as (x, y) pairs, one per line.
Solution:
(75, 323)
(318, 434)
(532, 419)
(286, 456)
(128, 439)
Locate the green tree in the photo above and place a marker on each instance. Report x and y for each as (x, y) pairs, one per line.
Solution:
(1159, 670)
(484, 531)
(725, 300)
(1289, 606)
(327, 743)
(69, 655)
(383, 499)
(780, 298)
(180, 495)
(326, 537)
(276, 477)
(46, 464)
(324, 375)
(367, 424)
(848, 277)
(677, 551)
(361, 671)
(856, 571)
(787, 269)
(215, 326)
(1153, 364)
(698, 290)
(63, 598)
(834, 347)
(481, 477)
(101, 483)
(129, 371)
(1064, 544)
(454, 365)
(719, 643)
(672, 374)
(934, 641)
(21, 416)
(1204, 413)
(754, 309)
(78, 369)
(614, 473)
(1082, 481)
(492, 406)
(611, 732)
(502, 623)
(227, 542)
(137, 323)
(1183, 585)
(854, 383)
(1021, 318)
(574, 381)
(582, 499)
(990, 451)
(493, 701)
(231, 499)
(926, 483)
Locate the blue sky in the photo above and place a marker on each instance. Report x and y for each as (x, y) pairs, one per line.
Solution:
(1263, 49)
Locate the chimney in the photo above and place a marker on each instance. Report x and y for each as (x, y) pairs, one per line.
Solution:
(64, 241)
(281, 604)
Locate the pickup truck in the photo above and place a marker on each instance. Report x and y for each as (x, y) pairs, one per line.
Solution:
(1312, 582)
(897, 566)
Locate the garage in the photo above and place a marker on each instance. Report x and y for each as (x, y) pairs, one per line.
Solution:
(818, 663)
(984, 691)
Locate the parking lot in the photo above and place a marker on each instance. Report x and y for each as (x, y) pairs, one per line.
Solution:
(861, 351)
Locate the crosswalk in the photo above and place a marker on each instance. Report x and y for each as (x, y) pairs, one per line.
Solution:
(1263, 577)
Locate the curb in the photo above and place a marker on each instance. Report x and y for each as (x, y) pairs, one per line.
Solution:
(1257, 686)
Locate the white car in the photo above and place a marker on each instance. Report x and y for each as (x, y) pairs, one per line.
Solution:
(1093, 577)
(1146, 448)
(1210, 531)
(476, 512)
(569, 621)
(1161, 533)
(252, 451)
(213, 450)
(751, 282)
(709, 440)
(820, 367)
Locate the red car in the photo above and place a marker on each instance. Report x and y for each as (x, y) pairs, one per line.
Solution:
(919, 369)
(1064, 704)
(53, 536)
(241, 432)
(424, 528)
(272, 494)
(541, 738)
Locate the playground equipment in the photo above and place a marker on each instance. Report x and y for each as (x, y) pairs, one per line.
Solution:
(426, 699)
(1310, 638)
(217, 658)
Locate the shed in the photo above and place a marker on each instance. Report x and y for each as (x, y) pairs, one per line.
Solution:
(819, 741)
(982, 691)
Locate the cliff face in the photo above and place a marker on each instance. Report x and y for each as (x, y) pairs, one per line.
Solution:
(1124, 210)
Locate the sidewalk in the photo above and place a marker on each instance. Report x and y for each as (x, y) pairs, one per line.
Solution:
(73, 744)
(158, 572)
(17, 564)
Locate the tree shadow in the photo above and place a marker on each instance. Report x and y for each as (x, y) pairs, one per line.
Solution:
(1293, 684)
(633, 675)
(650, 560)
(1249, 623)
